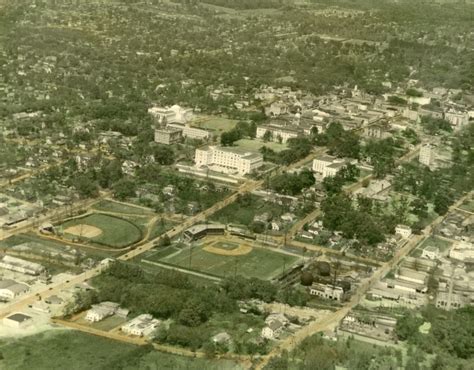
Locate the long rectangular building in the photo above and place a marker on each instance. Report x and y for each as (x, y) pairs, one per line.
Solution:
(228, 160)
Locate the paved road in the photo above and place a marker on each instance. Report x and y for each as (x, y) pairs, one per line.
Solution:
(246, 187)
(333, 320)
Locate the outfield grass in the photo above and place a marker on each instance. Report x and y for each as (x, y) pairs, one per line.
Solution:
(260, 263)
(116, 232)
(111, 206)
(255, 145)
(73, 350)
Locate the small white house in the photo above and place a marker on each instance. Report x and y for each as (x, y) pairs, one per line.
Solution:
(276, 226)
(273, 330)
(100, 311)
(17, 320)
(403, 230)
(141, 326)
(10, 289)
(431, 253)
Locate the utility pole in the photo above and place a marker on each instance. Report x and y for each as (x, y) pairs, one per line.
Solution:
(236, 261)
(190, 253)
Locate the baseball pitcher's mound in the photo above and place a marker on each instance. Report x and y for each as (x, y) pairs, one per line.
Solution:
(82, 230)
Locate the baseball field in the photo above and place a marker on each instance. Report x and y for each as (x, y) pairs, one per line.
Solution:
(225, 258)
(102, 229)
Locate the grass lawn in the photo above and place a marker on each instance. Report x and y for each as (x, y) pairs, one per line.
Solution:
(116, 232)
(441, 244)
(161, 253)
(159, 229)
(260, 263)
(111, 206)
(255, 145)
(73, 350)
(107, 324)
(239, 214)
(468, 205)
(217, 124)
(236, 325)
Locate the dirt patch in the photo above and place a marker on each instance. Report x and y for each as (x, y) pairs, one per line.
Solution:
(241, 250)
(83, 230)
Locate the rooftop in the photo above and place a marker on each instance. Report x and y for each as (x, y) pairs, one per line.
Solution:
(19, 317)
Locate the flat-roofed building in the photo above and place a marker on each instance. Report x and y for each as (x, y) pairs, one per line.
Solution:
(426, 155)
(327, 291)
(10, 289)
(191, 132)
(17, 320)
(228, 160)
(141, 326)
(167, 135)
(277, 132)
(19, 265)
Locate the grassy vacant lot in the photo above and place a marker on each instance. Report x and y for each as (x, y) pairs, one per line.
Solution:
(116, 232)
(260, 263)
(161, 253)
(243, 214)
(441, 244)
(255, 145)
(468, 205)
(116, 207)
(216, 124)
(72, 350)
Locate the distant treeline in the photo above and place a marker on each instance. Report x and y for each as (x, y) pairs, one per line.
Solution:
(247, 4)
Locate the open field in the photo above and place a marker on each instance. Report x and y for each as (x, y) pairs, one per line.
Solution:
(468, 205)
(116, 232)
(57, 350)
(30, 237)
(255, 145)
(441, 244)
(117, 207)
(215, 124)
(256, 262)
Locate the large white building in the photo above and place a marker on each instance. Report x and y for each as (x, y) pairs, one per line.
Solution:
(457, 119)
(174, 114)
(329, 166)
(426, 155)
(327, 291)
(190, 132)
(285, 133)
(228, 160)
(463, 251)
